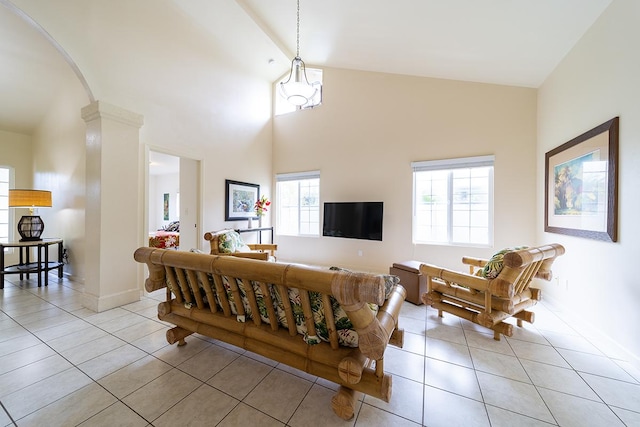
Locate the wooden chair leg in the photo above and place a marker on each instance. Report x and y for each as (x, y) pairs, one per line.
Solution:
(527, 316)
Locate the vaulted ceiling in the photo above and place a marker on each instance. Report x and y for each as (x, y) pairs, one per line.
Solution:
(494, 41)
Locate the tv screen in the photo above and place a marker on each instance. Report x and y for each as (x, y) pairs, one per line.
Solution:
(353, 220)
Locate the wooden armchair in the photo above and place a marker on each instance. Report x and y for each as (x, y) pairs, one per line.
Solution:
(229, 242)
(504, 293)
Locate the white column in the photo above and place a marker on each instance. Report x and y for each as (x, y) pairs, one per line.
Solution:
(112, 222)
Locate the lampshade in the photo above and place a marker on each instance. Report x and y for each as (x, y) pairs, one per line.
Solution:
(29, 199)
(30, 227)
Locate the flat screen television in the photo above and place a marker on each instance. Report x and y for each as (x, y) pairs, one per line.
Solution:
(353, 220)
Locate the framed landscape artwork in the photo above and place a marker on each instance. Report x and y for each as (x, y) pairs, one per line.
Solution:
(165, 207)
(240, 199)
(581, 195)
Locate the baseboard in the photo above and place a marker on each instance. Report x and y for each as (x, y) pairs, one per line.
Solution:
(107, 302)
(586, 328)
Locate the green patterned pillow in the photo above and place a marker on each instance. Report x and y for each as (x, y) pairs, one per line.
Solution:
(495, 264)
(231, 242)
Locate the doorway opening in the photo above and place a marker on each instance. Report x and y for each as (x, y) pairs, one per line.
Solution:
(173, 201)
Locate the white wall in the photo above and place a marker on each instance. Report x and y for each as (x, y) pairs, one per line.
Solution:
(158, 186)
(15, 151)
(598, 80)
(59, 158)
(199, 97)
(369, 129)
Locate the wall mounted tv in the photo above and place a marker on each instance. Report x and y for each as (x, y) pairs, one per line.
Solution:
(353, 220)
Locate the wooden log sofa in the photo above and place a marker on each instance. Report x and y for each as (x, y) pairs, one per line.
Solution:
(333, 324)
(493, 290)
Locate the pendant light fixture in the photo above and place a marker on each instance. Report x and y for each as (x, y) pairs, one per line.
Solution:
(297, 90)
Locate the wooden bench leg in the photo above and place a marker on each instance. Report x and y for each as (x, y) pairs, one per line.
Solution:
(178, 335)
(344, 402)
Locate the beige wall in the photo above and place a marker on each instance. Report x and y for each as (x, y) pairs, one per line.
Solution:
(158, 186)
(59, 158)
(198, 97)
(15, 151)
(598, 80)
(369, 129)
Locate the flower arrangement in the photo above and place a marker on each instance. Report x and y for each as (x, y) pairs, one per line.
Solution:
(261, 205)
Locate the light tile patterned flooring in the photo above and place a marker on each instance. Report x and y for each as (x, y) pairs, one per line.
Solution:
(63, 365)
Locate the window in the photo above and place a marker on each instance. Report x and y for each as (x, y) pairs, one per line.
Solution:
(453, 201)
(298, 203)
(314, 75)
(5, 183)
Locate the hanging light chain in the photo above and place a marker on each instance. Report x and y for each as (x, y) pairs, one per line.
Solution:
(298, 33)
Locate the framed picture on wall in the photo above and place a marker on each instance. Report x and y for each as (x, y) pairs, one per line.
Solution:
(240, 199)
(165, 207)
(581, 193)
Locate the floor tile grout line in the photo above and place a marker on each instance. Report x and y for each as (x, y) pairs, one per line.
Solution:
(96, 381)
(546, 404)
(605, 356)
(8, 414)
(76, 366)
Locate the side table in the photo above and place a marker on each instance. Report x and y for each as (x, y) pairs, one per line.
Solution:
(411, 278)
(26, 265)
(259, 230)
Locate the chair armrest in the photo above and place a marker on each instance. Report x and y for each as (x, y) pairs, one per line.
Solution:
(264, 256)
(262, 246)
(449, 276)
(475, 262)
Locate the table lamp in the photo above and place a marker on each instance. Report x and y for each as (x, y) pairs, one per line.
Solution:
(30, 227)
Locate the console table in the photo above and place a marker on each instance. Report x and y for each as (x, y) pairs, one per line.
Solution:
(259, 230)
(40, 265)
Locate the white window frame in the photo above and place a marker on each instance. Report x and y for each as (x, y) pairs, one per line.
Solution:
(448, 166)
(4, 203)
(299, 177)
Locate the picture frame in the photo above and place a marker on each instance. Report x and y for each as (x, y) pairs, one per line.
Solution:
(581, 185)
(240, 199)
(165, 207)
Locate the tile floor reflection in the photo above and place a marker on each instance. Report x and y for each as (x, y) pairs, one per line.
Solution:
(64, 365)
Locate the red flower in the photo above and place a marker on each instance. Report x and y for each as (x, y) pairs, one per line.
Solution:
(261, 205)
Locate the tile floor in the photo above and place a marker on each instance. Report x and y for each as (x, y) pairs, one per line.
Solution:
(63, 365)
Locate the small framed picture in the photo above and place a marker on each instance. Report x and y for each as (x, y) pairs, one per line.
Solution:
(240, 199)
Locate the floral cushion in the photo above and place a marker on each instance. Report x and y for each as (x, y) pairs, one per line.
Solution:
(496, 263)
(231, 242)
(164, 240)
(347, 336)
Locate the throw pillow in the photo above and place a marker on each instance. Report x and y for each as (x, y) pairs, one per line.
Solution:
(496, 263)
(230, 242)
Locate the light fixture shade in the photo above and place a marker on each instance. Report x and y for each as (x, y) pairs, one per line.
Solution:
(29, 199)
(297, 90)
(30, 227)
